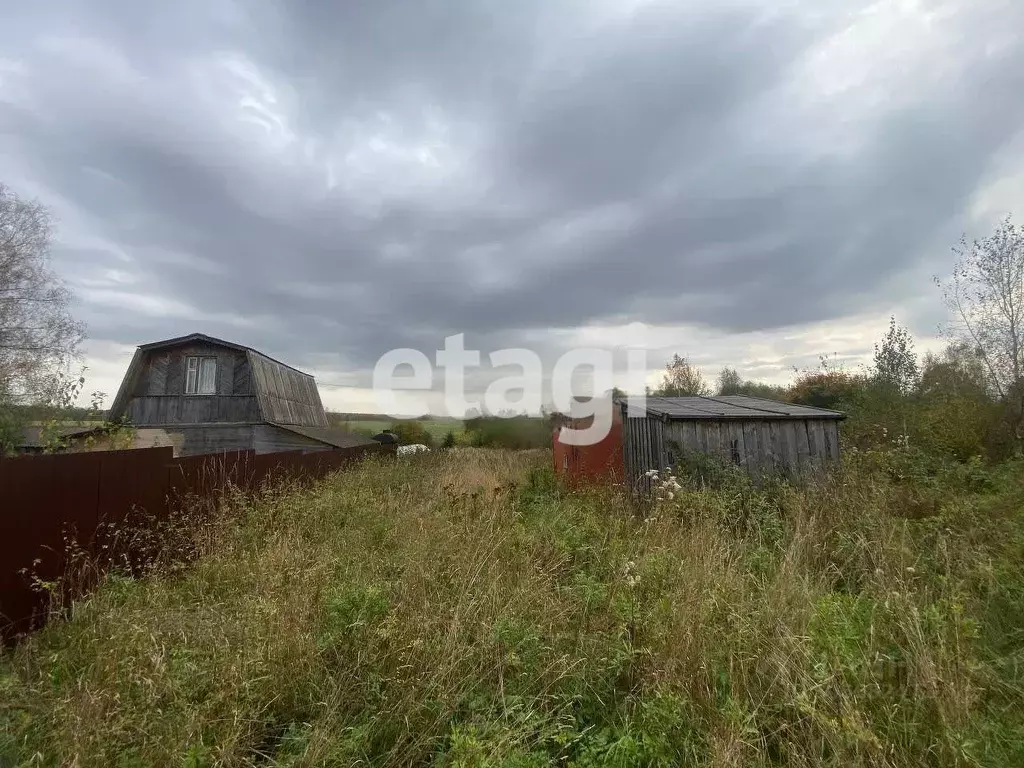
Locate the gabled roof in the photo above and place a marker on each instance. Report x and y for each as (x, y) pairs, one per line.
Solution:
(213, 340)
(732, 407)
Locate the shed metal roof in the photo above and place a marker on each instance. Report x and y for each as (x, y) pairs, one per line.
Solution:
(733, 407)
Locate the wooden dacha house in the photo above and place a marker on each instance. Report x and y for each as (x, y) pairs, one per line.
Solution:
(202, 395)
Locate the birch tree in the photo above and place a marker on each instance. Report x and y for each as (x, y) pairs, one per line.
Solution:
(895, 360)
(38, 335)
(681, 378)
(986, 296)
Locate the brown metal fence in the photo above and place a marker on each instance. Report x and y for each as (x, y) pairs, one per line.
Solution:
(45, 500)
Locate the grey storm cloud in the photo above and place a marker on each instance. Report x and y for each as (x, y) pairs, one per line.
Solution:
(353, 177)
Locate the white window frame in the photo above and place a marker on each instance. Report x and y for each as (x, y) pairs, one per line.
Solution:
(194, 367)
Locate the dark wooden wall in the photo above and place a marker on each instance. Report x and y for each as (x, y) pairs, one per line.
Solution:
(199, 439)
(642, 451)
(159, 398)
(215, 438)
(160, 410)
(791, 447)
(251, 388)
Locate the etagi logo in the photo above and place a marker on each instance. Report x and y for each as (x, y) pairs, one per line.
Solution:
(528, 384)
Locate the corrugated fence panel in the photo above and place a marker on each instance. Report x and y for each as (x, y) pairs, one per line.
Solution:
(42, 500)
(132, 481)
(207, 474)
(45, 500)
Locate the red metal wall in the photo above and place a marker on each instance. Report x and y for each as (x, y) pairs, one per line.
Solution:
(46, 499)
(600, 462)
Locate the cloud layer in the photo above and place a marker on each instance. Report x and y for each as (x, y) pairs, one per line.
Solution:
(327, 181)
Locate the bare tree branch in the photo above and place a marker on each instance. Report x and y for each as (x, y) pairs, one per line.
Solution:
(986, 296)
(38, 335)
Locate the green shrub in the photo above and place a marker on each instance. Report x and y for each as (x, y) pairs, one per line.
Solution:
(412, 433)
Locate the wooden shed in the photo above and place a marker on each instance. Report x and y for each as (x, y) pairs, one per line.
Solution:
(762, 436)
(203, 395)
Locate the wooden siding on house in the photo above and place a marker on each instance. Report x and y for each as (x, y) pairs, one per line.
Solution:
(161, 410)
(163, 371)
(252, 390)
(241, 382)
(200, 439)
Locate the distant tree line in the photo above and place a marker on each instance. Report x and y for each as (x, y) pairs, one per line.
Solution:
(967, 401)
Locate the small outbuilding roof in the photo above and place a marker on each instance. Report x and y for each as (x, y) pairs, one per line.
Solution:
(337, 438)
(732, 407)
(38, 437)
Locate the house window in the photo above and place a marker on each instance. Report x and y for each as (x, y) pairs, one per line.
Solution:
(200, 375)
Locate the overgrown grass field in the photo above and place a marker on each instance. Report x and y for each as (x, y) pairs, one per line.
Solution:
(461, 609)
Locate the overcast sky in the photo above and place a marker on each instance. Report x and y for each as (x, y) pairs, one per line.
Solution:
(759, 183)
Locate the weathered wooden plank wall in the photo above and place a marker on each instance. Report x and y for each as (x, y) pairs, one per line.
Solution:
(158, 392)
(642, 450)
(792, 447)
(286, 396)
(160, 410)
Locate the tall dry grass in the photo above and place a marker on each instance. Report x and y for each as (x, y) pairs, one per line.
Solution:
(462, 609)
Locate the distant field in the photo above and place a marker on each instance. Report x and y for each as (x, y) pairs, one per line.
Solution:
(438, 428)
